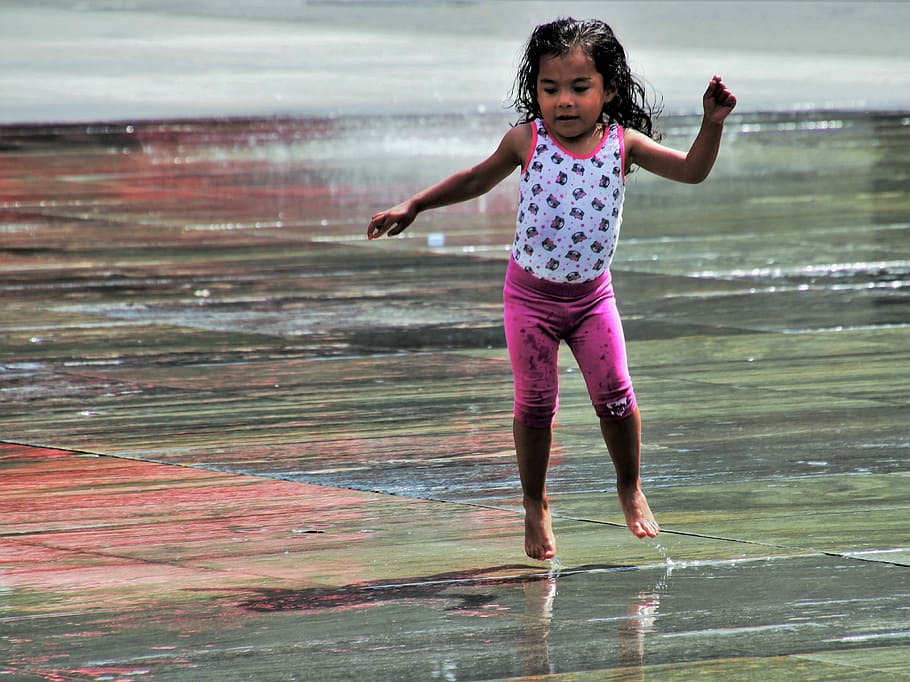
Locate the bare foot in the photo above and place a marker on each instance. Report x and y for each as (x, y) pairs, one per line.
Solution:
(638, 514)
(539, 540)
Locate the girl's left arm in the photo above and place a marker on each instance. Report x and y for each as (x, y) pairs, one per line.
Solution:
(694, 166)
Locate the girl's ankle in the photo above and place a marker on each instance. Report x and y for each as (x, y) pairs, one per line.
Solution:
(536, 502)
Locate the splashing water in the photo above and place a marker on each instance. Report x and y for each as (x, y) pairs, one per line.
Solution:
(665, 553)
(555, 568)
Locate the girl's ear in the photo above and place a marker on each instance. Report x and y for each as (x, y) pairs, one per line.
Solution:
(609, 94)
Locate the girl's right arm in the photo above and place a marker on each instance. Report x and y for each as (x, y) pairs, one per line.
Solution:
(461, 186)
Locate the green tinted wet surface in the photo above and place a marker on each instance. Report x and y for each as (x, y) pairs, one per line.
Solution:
(238, 438)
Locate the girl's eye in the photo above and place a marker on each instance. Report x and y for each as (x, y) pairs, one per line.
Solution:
(550, 91)
(582, 89)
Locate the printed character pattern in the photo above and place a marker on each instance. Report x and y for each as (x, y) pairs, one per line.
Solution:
(569, 209)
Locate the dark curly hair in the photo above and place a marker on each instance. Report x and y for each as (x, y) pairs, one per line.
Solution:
(629, 108)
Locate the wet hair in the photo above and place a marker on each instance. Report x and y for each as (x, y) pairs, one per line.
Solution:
(629, 108)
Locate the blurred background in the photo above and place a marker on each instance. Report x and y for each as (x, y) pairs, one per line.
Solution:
(92, 60)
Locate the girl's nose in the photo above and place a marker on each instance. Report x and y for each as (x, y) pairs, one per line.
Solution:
(565, 99)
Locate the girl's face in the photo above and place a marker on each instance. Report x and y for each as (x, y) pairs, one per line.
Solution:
(571, 94)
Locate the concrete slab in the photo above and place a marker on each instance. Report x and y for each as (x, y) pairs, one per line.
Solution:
(238, 442)
(140, 570)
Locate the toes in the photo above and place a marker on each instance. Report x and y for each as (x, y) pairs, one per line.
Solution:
(541, 552)
(644, 528)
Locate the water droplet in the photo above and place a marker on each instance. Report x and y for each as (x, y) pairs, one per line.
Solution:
(555, 568)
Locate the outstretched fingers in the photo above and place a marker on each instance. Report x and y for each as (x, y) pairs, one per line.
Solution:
(391, 222)
(379, 225)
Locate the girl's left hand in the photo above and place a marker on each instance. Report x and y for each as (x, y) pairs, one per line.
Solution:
(718, 101)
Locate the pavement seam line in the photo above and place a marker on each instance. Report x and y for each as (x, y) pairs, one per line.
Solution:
(669, 531)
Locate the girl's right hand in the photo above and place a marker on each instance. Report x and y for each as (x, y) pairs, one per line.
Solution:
(393, 221)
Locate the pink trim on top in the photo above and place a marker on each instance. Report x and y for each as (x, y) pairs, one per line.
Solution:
(622, 151)
(531, 148)
(600, 146)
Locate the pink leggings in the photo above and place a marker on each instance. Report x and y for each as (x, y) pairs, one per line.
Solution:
(538, 315)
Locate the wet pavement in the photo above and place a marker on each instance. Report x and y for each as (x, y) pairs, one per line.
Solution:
(240, 442)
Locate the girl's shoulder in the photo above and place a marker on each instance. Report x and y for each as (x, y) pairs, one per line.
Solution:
(522, 132)
(633, 138)
(518, 139)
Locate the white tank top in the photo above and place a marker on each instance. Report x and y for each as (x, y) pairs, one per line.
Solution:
(569, 208)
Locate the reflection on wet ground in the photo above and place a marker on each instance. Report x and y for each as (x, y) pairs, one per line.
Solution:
(202, 294)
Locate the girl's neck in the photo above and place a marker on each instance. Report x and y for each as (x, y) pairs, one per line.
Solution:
(583, 145)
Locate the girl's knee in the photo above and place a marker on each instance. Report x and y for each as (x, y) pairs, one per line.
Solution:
(535, 417)
(616, 409)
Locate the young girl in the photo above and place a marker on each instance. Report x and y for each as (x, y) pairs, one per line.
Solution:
(585, 123)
